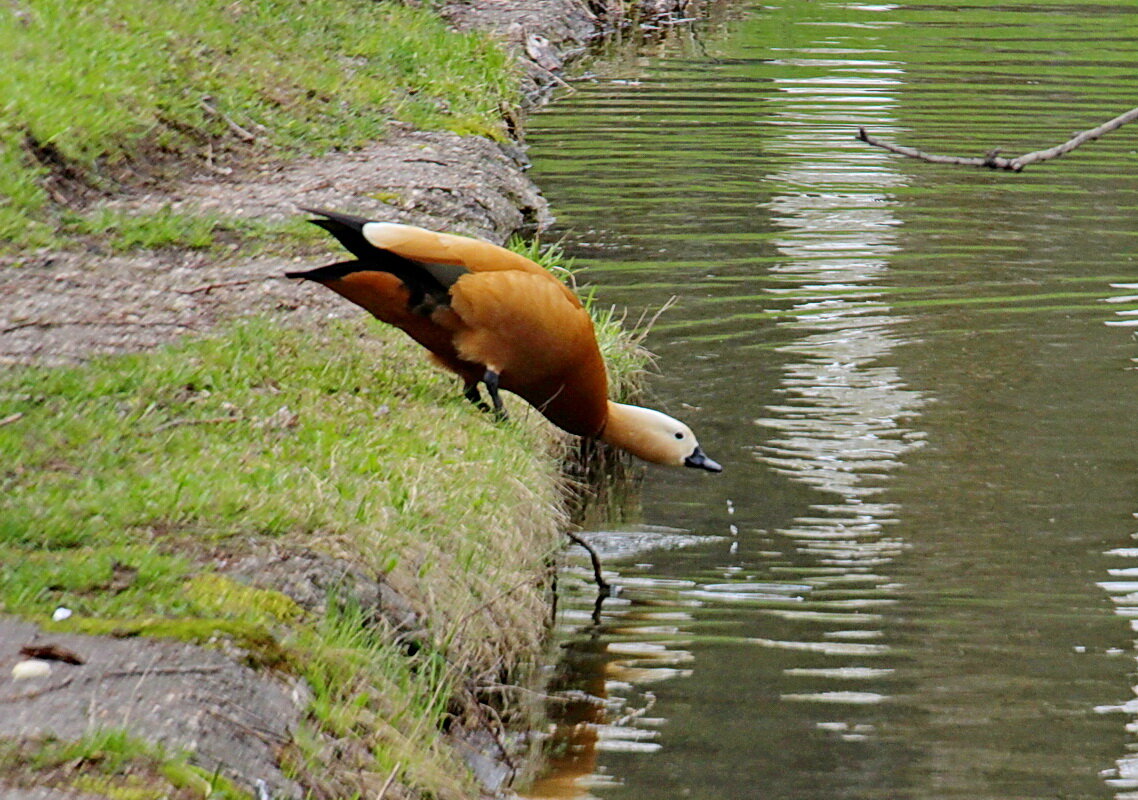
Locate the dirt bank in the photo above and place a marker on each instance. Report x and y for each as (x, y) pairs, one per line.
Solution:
(64, 306)
(60, 307)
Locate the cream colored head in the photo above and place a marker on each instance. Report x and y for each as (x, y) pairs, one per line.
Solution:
(655, 437)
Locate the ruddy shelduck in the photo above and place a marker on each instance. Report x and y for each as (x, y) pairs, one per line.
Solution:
(495, 317)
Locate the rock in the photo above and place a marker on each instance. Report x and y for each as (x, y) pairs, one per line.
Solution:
(179, 695)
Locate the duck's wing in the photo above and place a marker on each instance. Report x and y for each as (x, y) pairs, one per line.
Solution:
(542, 344)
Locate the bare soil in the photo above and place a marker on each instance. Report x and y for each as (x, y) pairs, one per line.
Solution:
(57, 307)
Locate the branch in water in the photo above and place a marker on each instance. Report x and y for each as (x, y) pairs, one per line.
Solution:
(993, 160)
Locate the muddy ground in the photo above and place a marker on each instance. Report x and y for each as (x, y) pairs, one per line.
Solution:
(59, 307)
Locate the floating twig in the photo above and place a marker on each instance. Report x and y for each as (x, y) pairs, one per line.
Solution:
(636, 713)
(993, 160)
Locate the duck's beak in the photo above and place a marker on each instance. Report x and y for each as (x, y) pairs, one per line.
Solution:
(699, 460)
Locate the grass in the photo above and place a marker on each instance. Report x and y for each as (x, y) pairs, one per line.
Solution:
(119, 478)
(112, 763)
(344, 442)
(164, 227)
(93, 86)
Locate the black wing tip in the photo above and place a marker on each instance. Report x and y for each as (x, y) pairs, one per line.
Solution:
(330, 217)
(331, 272)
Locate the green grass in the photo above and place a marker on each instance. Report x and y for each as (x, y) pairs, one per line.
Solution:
(112, 763)
(105, 82)
(121, 477)
(345, 442)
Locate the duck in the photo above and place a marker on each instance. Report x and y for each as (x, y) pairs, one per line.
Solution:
(500, 321)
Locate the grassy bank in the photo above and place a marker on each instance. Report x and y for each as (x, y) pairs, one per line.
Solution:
(100, 90)
(125, 478)
(344, 442)
(128, 483)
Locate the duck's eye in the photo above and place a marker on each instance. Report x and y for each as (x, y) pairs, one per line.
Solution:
(679, 435)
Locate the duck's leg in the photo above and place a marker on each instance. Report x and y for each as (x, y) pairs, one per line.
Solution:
(471, 393)
(491, 381)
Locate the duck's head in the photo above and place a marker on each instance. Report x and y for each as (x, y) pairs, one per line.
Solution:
(655, 437)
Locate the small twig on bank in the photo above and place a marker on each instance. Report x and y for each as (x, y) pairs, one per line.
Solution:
(389, 781)
(266, 736)
(49, 323)
(461, 623)
(645, 324)
(556, 78)
(494, 728)
(187, 670)
(505, 688)
(995, 161)
(603, 585)
(8, 420)
(209, 287)
(241, 133)
(14, 698)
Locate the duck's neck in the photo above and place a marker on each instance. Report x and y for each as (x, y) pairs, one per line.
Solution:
(631, 428)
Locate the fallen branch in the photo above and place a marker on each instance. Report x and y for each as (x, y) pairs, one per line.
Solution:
(603, 586)
(993, 160)
(51, 652)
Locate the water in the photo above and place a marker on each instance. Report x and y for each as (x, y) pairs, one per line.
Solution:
(918, 575)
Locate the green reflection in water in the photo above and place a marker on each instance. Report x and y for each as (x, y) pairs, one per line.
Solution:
(920, 379)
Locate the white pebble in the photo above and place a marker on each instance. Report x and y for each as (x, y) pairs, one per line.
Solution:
(30, 668)
(61, 613)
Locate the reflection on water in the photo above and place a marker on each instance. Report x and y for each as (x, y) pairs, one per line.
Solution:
(1123, 591)
(840, 425)
(897, 587)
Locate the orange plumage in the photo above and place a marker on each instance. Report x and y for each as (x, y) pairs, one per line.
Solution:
(494, 317)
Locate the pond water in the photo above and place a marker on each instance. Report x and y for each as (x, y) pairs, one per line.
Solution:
(918, 575)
